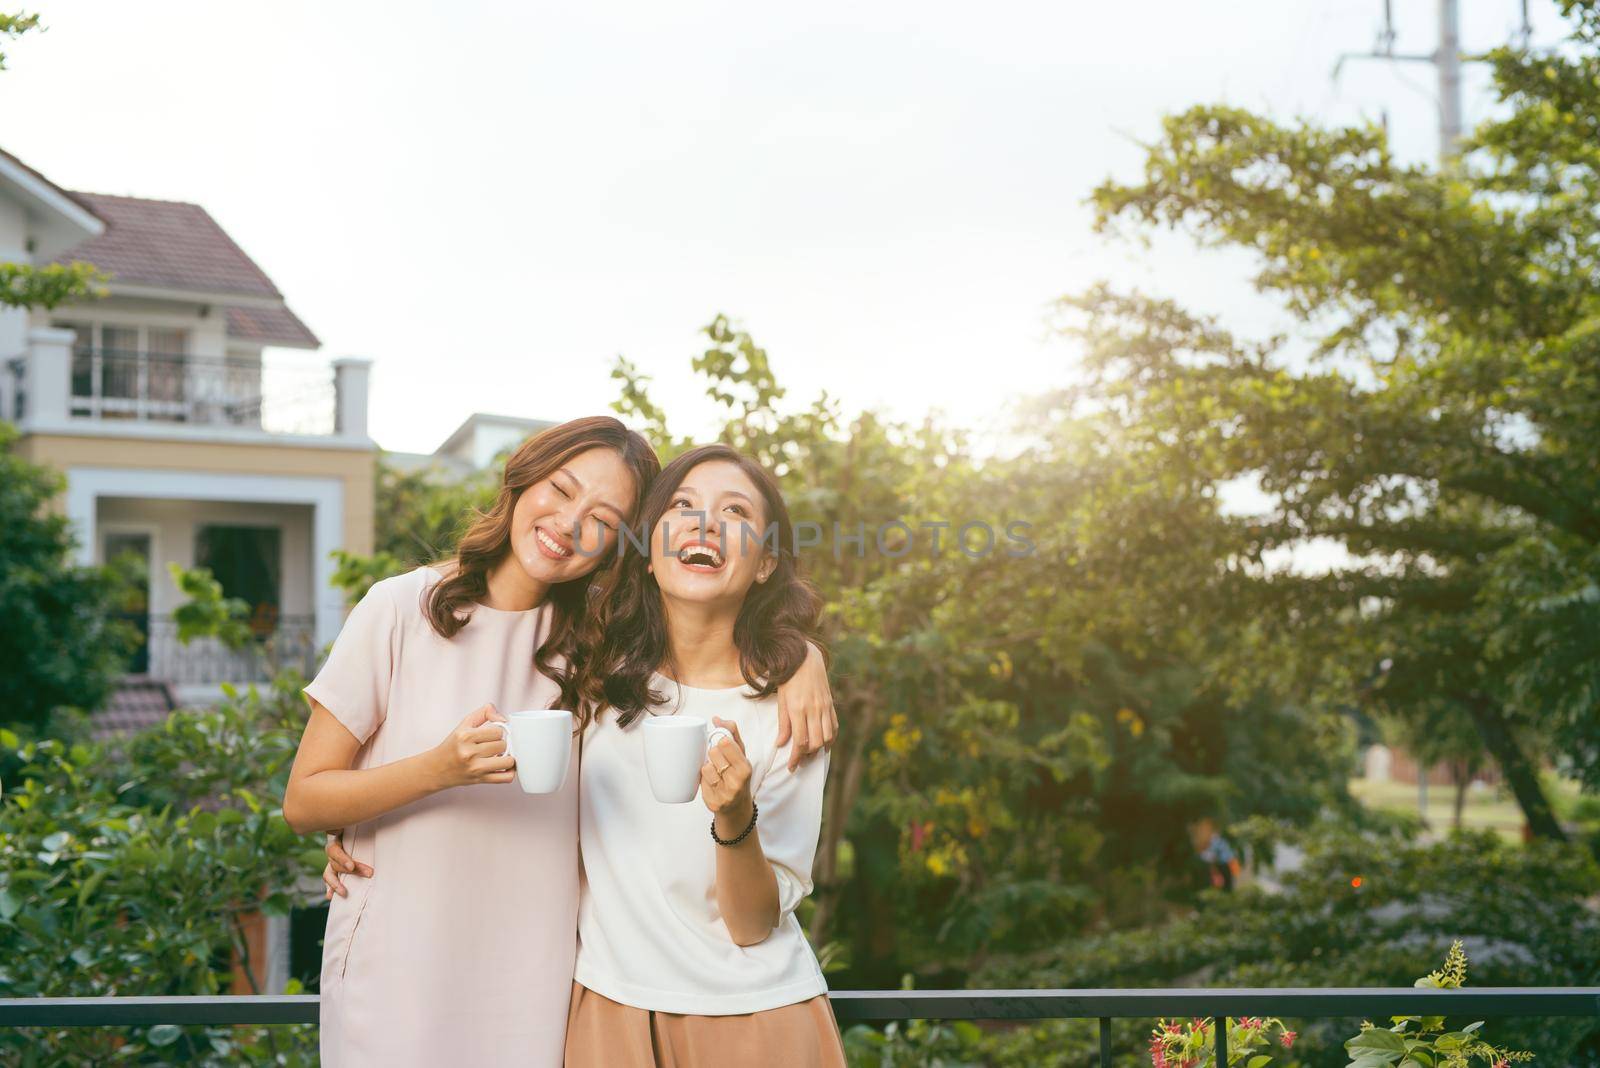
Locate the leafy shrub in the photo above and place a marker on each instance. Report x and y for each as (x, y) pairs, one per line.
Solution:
(1525, 911)
(128, 871)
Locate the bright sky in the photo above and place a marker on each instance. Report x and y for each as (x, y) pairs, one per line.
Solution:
(493, 200)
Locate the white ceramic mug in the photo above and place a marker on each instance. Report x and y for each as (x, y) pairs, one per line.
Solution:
(675, 748)
(540, 741)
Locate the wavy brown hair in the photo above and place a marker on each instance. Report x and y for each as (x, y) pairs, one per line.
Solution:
(488, 540)
(624, 641)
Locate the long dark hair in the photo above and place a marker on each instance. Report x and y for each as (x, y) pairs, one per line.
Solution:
(624, 641)
(488, 540)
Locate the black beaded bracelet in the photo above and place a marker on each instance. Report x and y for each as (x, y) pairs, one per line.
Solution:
(755, 810)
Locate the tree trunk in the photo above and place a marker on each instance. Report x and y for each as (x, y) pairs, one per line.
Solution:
(1463, 778)
(857, 722)
(1519, 771)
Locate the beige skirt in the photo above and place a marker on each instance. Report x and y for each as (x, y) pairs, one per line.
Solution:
(603, 1034)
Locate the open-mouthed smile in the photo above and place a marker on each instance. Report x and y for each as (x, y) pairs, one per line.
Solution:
(701, 556)
(549, 545)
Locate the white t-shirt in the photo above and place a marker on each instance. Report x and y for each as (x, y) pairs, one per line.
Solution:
(650, 934)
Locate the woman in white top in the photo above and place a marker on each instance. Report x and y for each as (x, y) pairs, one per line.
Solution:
(689, 952)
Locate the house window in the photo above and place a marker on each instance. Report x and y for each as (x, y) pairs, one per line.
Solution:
(166, 368)
(122, 371)
(166, 341)
(119, 369)
(248, 562)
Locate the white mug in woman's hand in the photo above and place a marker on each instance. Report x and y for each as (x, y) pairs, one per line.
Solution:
(540, 741)
(675, 748)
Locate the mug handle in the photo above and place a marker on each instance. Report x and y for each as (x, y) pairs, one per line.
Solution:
(715, 735)
(505, 732)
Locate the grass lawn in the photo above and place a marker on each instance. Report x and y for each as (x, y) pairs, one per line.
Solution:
(1493, 807)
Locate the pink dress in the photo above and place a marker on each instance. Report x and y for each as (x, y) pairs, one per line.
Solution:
(459, 950)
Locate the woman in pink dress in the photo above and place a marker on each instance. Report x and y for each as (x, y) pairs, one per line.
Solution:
(455, 941)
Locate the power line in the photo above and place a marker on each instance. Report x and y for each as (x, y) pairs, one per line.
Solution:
(1446, 60)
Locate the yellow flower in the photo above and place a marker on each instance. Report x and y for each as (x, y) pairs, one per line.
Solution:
(897, 739)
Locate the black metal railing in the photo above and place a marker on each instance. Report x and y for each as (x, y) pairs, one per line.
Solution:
(278, 396)
(278, 642)
(871, 1006)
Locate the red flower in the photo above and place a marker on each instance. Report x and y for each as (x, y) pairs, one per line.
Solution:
(1287, 1039)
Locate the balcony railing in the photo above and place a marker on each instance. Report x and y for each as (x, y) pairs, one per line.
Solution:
(284, 641)
(290, 398)
(856, 1006)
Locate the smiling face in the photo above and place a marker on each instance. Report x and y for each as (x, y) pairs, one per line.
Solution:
(707, 546)
(564, 525)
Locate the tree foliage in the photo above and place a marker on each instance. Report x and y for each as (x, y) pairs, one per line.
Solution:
(60, 644)
(14, 26)
(129, 870)
(1439, 426)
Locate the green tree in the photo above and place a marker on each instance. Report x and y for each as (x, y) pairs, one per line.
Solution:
(420, 515)
(61, 645)
(1441, 431)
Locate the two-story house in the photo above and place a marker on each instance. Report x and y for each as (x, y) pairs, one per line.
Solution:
(188, 428)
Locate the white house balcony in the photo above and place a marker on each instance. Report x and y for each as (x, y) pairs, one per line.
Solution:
(57, 386)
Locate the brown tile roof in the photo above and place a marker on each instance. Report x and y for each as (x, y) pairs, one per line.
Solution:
(137, 702)
(168, 244)
(270, 326)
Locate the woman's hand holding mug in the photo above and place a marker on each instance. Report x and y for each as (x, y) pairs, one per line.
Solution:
(474, 753)
(725, 780)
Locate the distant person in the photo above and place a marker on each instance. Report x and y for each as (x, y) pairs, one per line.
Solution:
(1218, 854)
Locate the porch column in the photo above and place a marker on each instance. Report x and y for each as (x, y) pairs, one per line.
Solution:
(327, 535)
(352, 378)
(47, 378)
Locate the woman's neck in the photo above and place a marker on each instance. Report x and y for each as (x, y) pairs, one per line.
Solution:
(700, 647)
(510, 588)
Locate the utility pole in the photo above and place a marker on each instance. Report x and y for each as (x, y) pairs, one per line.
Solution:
(1446, 60)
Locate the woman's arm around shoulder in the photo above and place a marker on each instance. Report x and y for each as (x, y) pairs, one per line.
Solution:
(805, 709)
